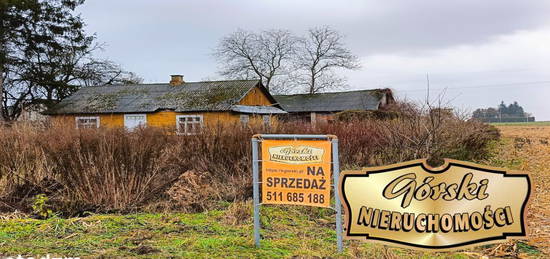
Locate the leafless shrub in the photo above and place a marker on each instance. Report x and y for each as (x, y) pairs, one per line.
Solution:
(114, 170)
(193, 191)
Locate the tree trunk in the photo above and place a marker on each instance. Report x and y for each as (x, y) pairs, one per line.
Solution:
(2, 93)
(3, 58)
(312, 84)
(267, 82)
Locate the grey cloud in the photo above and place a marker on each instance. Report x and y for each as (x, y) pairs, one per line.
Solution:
(371, 26)
(157, 38)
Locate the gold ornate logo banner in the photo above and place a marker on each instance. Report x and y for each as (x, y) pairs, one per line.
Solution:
(411, 204)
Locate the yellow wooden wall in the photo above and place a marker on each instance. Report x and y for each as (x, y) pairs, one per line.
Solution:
(105, 120)
(255, 97)
(111, 120)
(165, 119)
(168, 118)
(162, 119)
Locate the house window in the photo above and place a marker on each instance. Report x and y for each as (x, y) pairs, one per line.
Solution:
(189, 124)
(266, 119)
(87, 122)
(245, 119)
(132, 121)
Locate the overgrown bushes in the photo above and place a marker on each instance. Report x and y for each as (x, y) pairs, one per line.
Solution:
(107, 170)
(348, 116)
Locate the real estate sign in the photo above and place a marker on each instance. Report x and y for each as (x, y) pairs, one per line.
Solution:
(296, 172)
(411, 204)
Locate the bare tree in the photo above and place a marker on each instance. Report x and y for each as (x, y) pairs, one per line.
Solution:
(50, 75)
(319, 54)
(264, 55)
(46, 55)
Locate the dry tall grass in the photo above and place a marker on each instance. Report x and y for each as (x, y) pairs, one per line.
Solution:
(104, 170)
(527, 148)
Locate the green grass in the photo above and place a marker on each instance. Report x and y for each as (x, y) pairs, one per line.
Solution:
(534, 123)
(287, 231)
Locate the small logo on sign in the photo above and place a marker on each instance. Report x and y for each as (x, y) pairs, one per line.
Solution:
(296, 155)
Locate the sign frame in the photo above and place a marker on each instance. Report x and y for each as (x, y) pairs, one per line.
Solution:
(366, 172)
(256, 140)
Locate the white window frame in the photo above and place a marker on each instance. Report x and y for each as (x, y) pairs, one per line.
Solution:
(88, 118)
(179, 126)
(136, 114)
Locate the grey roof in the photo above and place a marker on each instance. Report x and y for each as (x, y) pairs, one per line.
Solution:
(257, 109)
(332, 102)
(188, 97)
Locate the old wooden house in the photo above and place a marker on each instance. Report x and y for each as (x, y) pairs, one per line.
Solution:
(322, 107)
(183, 106)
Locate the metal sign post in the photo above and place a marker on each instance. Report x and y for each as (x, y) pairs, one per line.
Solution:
(256, 190)
(256, 179)
(336, 180)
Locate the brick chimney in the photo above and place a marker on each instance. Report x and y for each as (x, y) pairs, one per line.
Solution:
(176, 80)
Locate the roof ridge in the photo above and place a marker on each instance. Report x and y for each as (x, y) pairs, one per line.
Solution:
(195, 82)
(118, 85)
(227, 80)
(325, 93)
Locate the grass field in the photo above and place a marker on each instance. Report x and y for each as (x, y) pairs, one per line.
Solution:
(534, 123)
(527, 148)
(287, 231)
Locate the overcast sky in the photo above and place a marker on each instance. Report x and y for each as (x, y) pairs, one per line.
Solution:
(481, 52)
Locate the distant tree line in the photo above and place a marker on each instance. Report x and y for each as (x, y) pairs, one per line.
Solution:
(503, 113)
(285, 62)
(45, 55)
